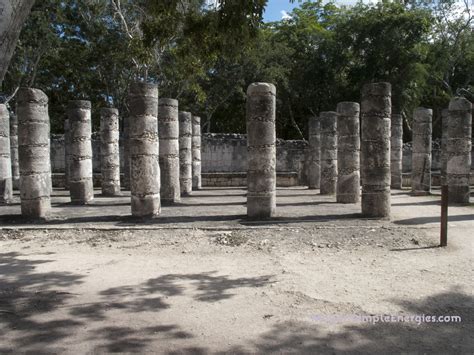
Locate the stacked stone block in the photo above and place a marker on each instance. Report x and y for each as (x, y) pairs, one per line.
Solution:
(328, 182)
(6, 186)
(14, 151)
(81, 186)
(34, 153)
(196, 152)
(375, 149)
(261, 139)
(396, 151)
(459, 150)
(144, 148)
(185, 153)
(109, 151)
(126, 154)
(421, 155)
(168, 131)
(67, 152)
(444, 145)
(314, 160)
(348, 153)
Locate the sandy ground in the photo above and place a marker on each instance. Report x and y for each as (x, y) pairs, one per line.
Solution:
(203, 279)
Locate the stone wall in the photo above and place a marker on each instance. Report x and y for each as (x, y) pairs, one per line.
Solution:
(435, 156)
(227, 153)
(221, 153)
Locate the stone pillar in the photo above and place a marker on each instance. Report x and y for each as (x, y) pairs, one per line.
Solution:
(34, 153)
(126, 153)
(261, 147)
(196, 152)
(459, 150)
(328, 153)
(6, 187)
(348, 153)
(396, 151)
(14, 151)
(185, 153)
(444, 145)
(109, 151)
(67, 152)
(168, 131)
(81, 186)
(376, 110)
(421, 151)
(314, 160)
(144, 148)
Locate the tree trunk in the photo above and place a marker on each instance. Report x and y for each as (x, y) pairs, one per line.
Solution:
(13, 14)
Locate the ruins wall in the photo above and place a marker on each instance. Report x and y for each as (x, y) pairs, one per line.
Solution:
(227, 153)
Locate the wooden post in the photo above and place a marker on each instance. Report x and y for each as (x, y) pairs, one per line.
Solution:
(444, 216)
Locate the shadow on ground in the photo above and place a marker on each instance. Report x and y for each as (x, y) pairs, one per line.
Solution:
(435, 219)
(38, 313)
(387, 338)
(167, 220)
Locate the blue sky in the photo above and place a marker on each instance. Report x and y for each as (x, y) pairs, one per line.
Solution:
(277, 9)
(274, 9)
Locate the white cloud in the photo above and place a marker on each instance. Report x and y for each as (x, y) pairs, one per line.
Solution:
(285, 15)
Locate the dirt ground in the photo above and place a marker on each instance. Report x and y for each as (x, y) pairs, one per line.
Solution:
(202, 279)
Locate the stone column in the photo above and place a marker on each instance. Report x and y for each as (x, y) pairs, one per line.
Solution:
(34, 153)
(314, 160)
(444, 145)
(109, 151)
(421, 151)
(348, 153)
(185, 153)
(261, 147)
(396, 151)
(126, 153)
(144, 148)
(196, 152)
(14, 151)
(376, 110)
(67, 153)
(459, 150)
(6, 187)
(328, 153)
(81, 186)
(168, 131)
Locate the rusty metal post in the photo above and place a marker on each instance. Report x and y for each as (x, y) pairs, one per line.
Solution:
(444, 216)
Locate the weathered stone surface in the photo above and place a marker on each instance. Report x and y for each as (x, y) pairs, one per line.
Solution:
(81, 187)
(261, 138)
(314, 159)
(6, 186)
(109, 151)
(185, 153)
(126, 153)
(196, 152)
(168, 131)
(67, 152)
(444, 146)
(421, 156)
(328, 182)
(348, 153)
(375, 149)
(144, 148)
(459, 150)
(396, 151)
(34, 153)
(14, 151)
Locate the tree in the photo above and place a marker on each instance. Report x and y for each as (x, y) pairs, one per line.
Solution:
(13, 14)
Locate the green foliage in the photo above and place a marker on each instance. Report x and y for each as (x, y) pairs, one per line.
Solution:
(206, 57)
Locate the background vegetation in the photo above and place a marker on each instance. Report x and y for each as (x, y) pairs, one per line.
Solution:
(207, 56)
